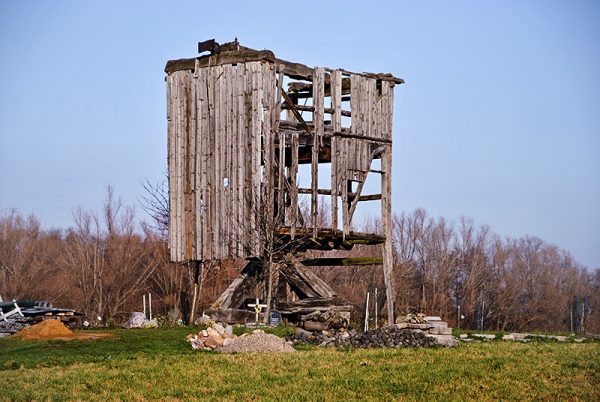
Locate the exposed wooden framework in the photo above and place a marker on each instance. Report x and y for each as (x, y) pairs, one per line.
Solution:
(233, 162)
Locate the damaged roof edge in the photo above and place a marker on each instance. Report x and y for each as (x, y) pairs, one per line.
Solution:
(229, 54)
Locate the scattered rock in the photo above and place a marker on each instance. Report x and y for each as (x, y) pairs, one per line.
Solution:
(219, 328)
(12, 325)
(212, 332)
(213, 341)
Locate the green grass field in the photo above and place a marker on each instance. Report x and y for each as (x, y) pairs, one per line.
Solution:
(159, 364)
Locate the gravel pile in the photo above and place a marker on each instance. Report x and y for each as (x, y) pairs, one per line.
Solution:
(259, 342)
(387, 337)
(11, 326)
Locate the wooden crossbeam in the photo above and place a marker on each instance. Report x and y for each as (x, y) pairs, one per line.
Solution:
(295, 111)
(330, 262)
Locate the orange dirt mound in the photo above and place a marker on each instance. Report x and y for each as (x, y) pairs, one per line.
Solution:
(54, 329)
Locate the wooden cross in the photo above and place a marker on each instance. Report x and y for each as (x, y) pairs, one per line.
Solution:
(257, 308)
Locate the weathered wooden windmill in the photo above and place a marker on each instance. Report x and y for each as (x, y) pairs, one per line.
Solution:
(241, 124)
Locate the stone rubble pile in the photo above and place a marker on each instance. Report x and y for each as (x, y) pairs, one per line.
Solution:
(13, 325)
(386, 337)
(220, 338)
(325, 321)
(412, 330)
(430, 326)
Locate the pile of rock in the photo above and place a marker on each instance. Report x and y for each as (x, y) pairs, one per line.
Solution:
(431, 326)
(325, 321)
(386, 337)
(212, 337)
(12, 325)
(220, 338)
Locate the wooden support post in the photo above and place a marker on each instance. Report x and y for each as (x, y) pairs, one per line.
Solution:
(386, 225)
(336, 121)
(318, 95)
(294, 212)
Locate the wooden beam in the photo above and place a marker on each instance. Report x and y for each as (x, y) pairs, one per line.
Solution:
(304, 282)
(297, 114)
(310, 191)
(369, 197)
(386, 226)
(336, 121)
(305, 108)
(330, 262)
(318, 102)
(362, 137)
(218, 59)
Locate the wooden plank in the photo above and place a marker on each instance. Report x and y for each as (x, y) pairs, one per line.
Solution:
(191, 169)
(331, 262)
(242, 141)
(268, 144)
(201, 193)
(281, 178)
(294, 185)
(355, 199)
(248, 160)
(295, 112)
(318, 103)
(179, 167)
(211, 163)
(230, 160)
(386, 225)
(304, 108)
(219, 156)
(170, 130)
(255, 130)
(336, 122)
(233, 296)
(227, 57)
(304, 282)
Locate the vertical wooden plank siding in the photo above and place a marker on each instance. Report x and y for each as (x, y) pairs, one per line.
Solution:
(227, 157)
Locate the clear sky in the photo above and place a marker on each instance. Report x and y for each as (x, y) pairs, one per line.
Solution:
(499, 119)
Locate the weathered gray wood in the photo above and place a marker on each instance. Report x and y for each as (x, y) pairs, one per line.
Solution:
(304, 282)
(235, 293)
(336, 122)
(349, 261)
(294, 185)
(318, 103)
(227, 57)
(386, 225)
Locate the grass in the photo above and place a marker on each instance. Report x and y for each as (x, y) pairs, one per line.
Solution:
(159, 364)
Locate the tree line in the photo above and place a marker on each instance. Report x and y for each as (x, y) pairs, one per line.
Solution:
(465, 273)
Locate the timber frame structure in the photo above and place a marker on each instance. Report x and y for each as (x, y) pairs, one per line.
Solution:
(240, 124)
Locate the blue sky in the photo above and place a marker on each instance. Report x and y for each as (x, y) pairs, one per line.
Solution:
(499, 119)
